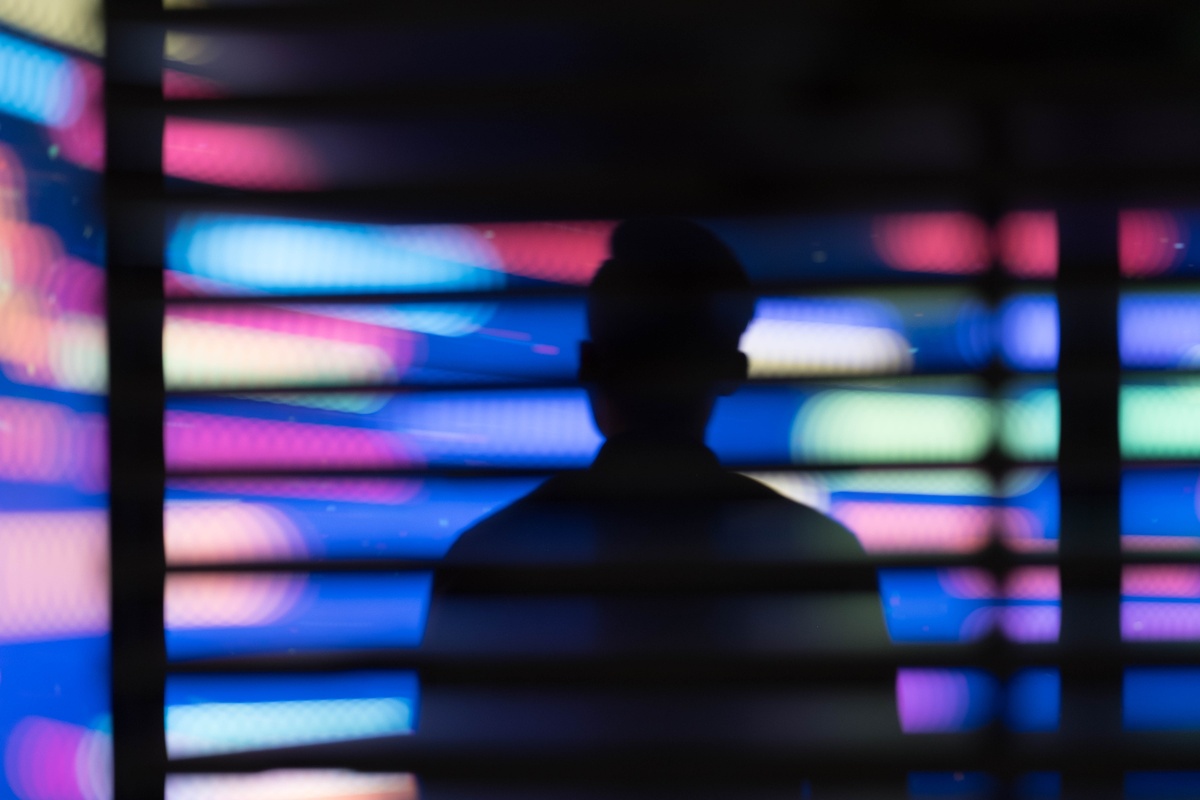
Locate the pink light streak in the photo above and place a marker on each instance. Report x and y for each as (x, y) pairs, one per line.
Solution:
(50, 760)
(913, 527)
(177, 85)
(196, 440)
(1158, 544)
(1180, 582)
(48, 443)
(945, 242)
(227, 531)
(389, 491)
(53, 575)
(564, 252)
(931, 700)
(1149, 242)
(240, 156)
(197, 600)
(1026, 243)
(1032, 583)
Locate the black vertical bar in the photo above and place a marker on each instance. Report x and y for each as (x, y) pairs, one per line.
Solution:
(1090, 475)
(135, 314)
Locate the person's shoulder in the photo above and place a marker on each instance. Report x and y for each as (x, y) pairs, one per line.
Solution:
(515, 527)
(767, 514)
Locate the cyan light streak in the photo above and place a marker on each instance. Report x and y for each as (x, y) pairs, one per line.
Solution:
(37, 84)
(251, 255)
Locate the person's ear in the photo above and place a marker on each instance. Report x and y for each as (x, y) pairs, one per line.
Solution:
(587, 362)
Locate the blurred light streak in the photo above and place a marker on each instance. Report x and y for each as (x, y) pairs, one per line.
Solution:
(878, 426)
(1160, 330)
(38, 84)
(1026, 243)
(53, 575)
(210, 728)
(449, 319)
(50, 760)
(226, 347)
(198, 600)
(212, 531)
(216, 614)
(207, 715)
(1029, 332)
(383, 491)
(1149, 242)
(830, 336)
(177, 85)
(74, 23)
(1029, 423)
(51, 444)
(1160, 421)
(240, 156)
(196, 440)
(552, 427)
(1180, 582)
(293, 784)
(561, 252)
(1033, 700)
(944, 700)
(246, 254)
(82, 140)
(1029, 517)
(1161, 699)
(888, 527)
(944, 242)
(1160, 603)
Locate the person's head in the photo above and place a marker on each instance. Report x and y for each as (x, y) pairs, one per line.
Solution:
(665, 314)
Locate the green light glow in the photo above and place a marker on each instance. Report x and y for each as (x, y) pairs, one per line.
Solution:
(1030, 425)
(1160, 421)
(854, 425)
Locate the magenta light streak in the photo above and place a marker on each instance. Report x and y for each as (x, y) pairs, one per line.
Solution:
(931, 700)
(82, 140)
(944, 242)
(908, 527)
(387, 491)
(239, 156)
(196, 440)
(48, 443)
(1031, 624)
(1182, 582)
(50, 760)
(1150, 242)
(1026, 243)
(1157, 621)
(563, 252)
(303, 323)
(1032, 583)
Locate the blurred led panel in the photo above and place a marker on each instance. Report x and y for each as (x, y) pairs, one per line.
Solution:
(902, 510)
(229, 614)
(240, 156)
(211, 714)
(1161, 699)
(1152, 242)
(74, 23)
(231, 346)
(1030, 513)
(262, 520)
(967, 604)
(1160, 330)
(46, 759)
(37, 84)
(294, 784)
(879, 426)
(232, 254)
(1028, 332)
(1026, 243)
(1160, 420)
(1160, 603)
(1029, 421)
(945, 700)
(1159, 509)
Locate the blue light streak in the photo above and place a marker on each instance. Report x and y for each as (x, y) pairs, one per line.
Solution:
(36, 83)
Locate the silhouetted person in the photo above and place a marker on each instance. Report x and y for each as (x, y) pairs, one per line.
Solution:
(665, 315)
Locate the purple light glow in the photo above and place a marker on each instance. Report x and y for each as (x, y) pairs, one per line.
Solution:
(932, 700)
(50, 760)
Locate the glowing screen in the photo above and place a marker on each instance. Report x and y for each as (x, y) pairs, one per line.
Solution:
(54, 703)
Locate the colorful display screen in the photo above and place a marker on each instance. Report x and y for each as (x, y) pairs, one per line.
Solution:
(54, 605)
